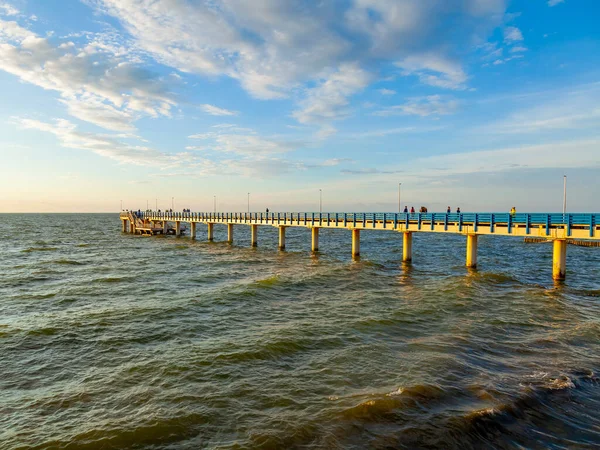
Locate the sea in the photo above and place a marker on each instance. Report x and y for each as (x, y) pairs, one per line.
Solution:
(115, 341)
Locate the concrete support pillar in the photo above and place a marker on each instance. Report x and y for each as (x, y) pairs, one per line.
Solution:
(177, 228)
(407, 238)
(315, 239)
(193, 230)
(132, 227)
(124, 223)
(559, 259)
(253, 235)
(355, 242)
(472, 250)
(230, 233)
(165, 226)
(211, 230)
(281, 238)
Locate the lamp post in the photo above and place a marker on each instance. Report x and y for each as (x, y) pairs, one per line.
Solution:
(399, 204)
(320, 200)
(564, 194)
(248, 202)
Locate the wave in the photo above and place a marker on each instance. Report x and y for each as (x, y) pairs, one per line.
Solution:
(113, 279)
(39, 249)
(68, 262)
(385, 406)
(429, 416)
(267, 282)
(47, 331)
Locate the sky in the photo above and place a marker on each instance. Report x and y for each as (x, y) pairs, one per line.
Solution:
(482, 104)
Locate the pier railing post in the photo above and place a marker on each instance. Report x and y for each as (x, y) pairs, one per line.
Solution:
(471, 250)
(315, 239)
(355, 242)
(407, 238)
(559, 259)
(254, 235)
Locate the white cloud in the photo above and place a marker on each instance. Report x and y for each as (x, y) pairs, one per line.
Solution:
(422, 106)
(97, 82)
(93, 109)
(559, 155)
(336, 162)
(385, 132)
(369, 171)
(434, 70)
(329, 100)
(273, 48)
(568, 109)
(518, 49)
(8, 10)
(512, 34)
(386, 91)
(554, 2)
(108, 146)
(216, 111)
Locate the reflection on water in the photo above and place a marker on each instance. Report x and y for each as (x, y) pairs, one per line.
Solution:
(114, 341)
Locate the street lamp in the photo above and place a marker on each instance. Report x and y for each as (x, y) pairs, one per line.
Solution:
(564, 194)
(320, 200)
(399, 204)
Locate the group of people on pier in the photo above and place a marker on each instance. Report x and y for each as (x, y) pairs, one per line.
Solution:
(423, 209)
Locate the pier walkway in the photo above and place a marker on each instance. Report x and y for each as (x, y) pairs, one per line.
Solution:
(555, 227)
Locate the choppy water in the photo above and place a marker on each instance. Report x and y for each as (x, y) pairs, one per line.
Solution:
(110, 340)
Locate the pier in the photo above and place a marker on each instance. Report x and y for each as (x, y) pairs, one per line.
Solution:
(557, 228)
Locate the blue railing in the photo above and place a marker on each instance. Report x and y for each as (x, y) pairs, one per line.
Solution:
(393, 220)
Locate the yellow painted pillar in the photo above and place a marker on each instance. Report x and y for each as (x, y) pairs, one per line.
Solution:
(253, 235)
(559, 259)
(315, 239)
(230, 233)
(124, 223)
(281, 238)
(472, 250)
(132, 227)
(177, 228)
(407, 238)
(211, 230)
(193, 230)
(355, 242)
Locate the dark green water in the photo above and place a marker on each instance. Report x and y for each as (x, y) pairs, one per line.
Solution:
(117, 341)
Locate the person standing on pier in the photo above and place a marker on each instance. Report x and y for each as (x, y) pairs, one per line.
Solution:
(406, 210)
(458, 210)
(448, 211)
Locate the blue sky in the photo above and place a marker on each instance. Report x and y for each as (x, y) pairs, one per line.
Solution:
(482, 104)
